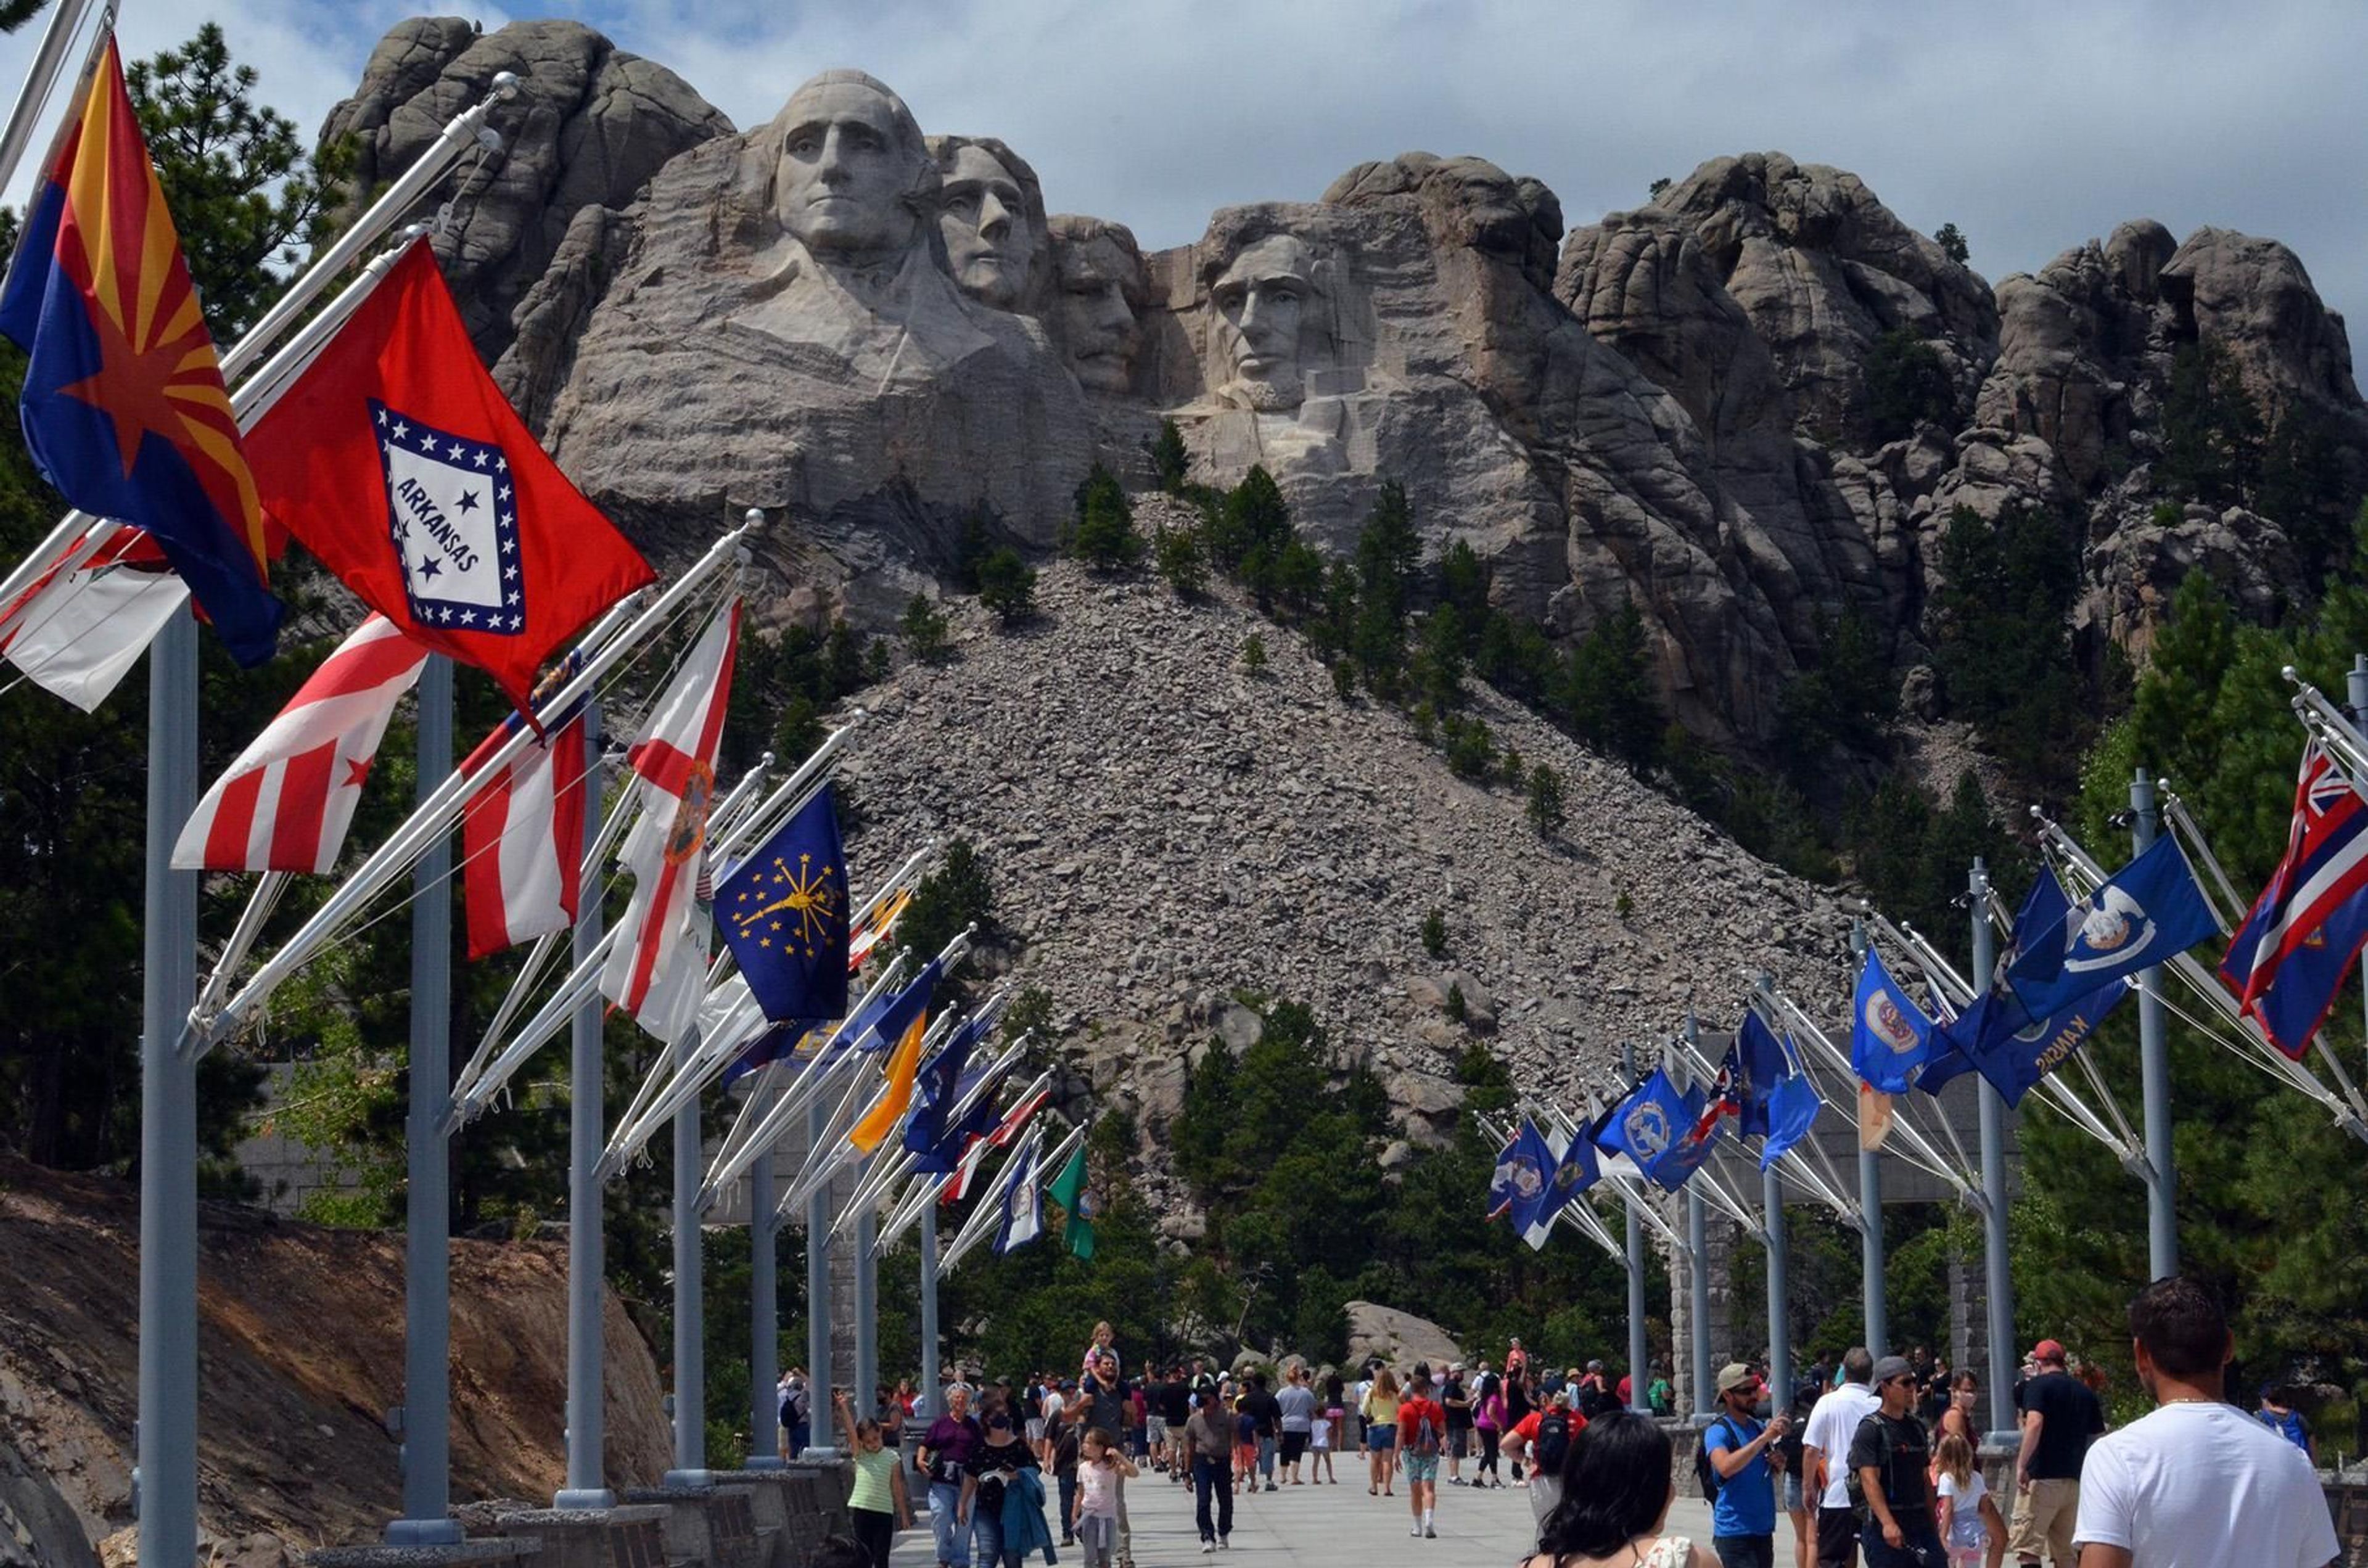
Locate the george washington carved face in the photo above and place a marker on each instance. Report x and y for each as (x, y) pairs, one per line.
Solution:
(853, 169)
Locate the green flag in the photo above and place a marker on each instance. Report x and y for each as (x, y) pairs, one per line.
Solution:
(1068, 1190)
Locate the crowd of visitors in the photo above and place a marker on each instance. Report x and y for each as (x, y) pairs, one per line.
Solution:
(1873, 1460)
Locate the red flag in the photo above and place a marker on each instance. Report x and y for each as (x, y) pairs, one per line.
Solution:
(397, 461)
(285, 803)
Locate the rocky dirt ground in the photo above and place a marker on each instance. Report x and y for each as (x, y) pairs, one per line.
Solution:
(301, 1355)
(1167, 830)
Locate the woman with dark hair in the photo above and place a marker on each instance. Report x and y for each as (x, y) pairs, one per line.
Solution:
(1615, 1499)
(1957, 1416)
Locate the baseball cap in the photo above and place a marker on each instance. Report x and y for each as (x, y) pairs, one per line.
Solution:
(1735, 1375)
(1892, 1366)
(2047, 1350)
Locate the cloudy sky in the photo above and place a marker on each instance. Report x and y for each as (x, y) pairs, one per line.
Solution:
(2031, 126)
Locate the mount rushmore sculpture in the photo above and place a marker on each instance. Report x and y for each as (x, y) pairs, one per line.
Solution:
(882, 332)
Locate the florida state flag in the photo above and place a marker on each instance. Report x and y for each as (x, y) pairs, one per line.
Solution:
(397, 461)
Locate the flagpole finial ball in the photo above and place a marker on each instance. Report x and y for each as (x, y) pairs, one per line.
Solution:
(754, 521)
(2290, 673)
(505, 83)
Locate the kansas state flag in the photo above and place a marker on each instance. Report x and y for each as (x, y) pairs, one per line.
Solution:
(1654, 1126)
(1792, 1106)
(1890, 1036)
(2148, 913)
(124, 408)
(783, 911)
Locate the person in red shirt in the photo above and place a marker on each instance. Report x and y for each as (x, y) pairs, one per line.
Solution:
(1543, 1449)
(1422, 1436)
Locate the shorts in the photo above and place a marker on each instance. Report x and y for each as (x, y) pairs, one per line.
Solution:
(1380, 1437)
(2045, 1513)
(1035, 1429)
(1745, 1550)
(1294, 1446)
(1459, 1441)
(1836, 1537)
(1794, 1501)
(1158, 1428)
(1421, 1467)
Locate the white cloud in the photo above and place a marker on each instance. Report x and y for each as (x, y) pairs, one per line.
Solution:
(2032, 126)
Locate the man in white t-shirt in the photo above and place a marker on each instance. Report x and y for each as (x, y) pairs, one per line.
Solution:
(2198, 1483)
(1824, 1453)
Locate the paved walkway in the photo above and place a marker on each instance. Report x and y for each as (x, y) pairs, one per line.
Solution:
(1328, 1526)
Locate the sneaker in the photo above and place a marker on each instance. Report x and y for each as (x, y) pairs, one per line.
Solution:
(1269, 1486)
(1415, 1530)
(1207, 1547)
(1224, 1543)
(1429, 1533)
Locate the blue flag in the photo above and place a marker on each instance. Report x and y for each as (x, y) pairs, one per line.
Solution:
(1792, 1106)
(1890, 1036)
(1997, 1036)
(1023, 1204)
(903, 1010)
(938, 1086)
(784, 914)
(2148, 913)
(1529, 1176)
(1754, 1064)
(1656, 1127)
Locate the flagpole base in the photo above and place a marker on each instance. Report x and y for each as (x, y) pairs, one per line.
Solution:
(764, 1462)
(688, 1478)
(424, 1532)
(588, 1498)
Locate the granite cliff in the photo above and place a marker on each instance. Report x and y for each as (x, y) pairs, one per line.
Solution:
(1670, 406)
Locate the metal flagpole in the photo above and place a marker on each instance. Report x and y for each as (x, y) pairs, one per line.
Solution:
(1779, 1319)
(427, 1216)
(929, 1309)
(2001, 1279)
(764, 1319)
(689, 1293)
(2356, 691)
(42, 76)
(586, 1262)
(866, 1313)
(1870, 1211)
(818, 1384)
(1636, 1350)
(2154, 1070)
(1698, 1268)
(166, 1486)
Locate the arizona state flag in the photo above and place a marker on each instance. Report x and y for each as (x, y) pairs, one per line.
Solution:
(397, 461)
(123, 407)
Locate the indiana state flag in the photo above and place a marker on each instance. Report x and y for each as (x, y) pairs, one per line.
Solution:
(123, 407)
(784, 916)
(1890, 1036)
(2148, 913)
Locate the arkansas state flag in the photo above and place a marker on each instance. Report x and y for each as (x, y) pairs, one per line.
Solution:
(397, 461)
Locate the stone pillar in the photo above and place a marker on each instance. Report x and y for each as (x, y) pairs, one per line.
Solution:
(842, 1294)
(1968, 1312)
(1680, 1360)
(1728, 1340)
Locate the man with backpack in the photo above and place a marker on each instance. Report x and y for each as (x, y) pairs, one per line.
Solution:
(1737, 1463)
(1890, 1480)
(1833, 1528)
(1544, 1436)
(1422, 1432)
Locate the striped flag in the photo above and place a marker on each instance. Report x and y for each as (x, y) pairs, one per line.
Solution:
(658, 970)
(522, 838)
(1013, 1121)
(1023, 1202)
(76, 634)
(285, 803)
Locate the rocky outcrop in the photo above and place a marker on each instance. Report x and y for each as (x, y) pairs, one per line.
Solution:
(587, 128)
(1184, 831)
(1397, 1339)
(302, 1332)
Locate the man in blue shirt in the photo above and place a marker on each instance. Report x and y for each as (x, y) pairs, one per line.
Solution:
(1744, 1456)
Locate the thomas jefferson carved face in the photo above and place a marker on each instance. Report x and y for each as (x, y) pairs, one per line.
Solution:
(1099, 274)
(851, 162)
(1260, 300)
(991, 240)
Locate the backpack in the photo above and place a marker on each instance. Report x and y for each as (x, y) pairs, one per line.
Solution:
(1706, 1473)
(1553, 1442)
(1426, 1435)
(1854, 1483)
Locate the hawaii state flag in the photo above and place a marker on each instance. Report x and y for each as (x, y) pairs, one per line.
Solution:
(2288, 959)
(123, 407)
(397, 461)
